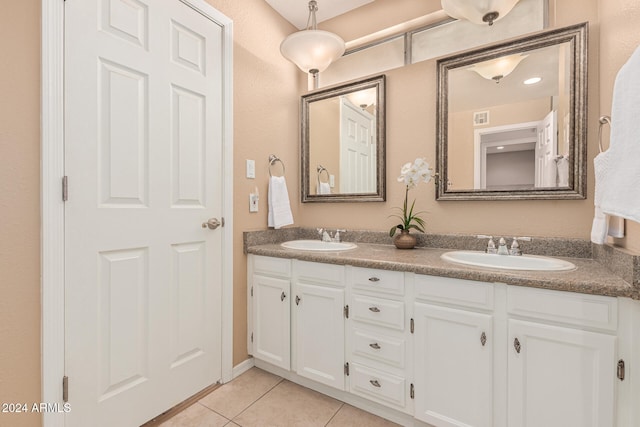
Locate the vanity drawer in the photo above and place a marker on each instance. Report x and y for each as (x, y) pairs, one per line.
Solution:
(571, 308)
(383, 281)
(378, 347)
(446, 290)
(379, 386)
(378, 311)
(323, 274)
(271, 266)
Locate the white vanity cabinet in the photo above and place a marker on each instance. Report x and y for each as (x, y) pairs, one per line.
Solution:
(318, 322)
(378, 337)
(453, 352)
(269, 323)
(443, 351)
(562, 359)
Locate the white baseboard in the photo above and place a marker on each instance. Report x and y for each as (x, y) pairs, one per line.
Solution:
(243, 367)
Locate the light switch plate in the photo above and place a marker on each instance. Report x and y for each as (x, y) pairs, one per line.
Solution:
(253, 202)
(251, 168)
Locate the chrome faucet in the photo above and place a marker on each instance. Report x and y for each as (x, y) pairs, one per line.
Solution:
(325, 236)
(502, 245)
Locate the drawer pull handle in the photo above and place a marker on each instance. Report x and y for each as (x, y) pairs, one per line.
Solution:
(516, 345)
(374, 279)
(375, 383)
(374, 309)
(483, 339)
(375, 346)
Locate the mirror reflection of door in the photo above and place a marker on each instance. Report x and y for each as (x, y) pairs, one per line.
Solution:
(518, 156)
(357, 149)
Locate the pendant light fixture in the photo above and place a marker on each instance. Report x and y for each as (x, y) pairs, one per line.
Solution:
(478, 12)
(312, 50)
(499, 68)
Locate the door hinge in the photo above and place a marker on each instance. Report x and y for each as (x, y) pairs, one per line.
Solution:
(412, 325)
(346, 369)
(252, 291)
(346, 311)
(620, 370)
(222, 222)
(65, 389)
(251, 336)
(412, 391)
(65, 188)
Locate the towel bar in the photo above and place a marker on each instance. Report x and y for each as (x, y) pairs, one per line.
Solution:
(272, 160)
(320, 170)
(604, 120)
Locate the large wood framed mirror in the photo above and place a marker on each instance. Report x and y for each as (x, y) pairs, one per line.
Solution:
(511, 120)
(343, 142)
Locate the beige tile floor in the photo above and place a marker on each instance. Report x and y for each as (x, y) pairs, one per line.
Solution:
(258, 398)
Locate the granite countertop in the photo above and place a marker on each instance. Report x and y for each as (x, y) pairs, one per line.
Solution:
(590, 276)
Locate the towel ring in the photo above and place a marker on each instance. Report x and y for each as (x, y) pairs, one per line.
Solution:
(604, 120)
(272, 160)
(321, 169)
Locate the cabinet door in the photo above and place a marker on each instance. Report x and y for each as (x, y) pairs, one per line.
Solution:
(319, 334)
(453, 359)
(560, 376)
(271, 316)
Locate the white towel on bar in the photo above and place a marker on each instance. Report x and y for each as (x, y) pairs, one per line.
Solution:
(279, 207)
(617, 170)
(324, 188)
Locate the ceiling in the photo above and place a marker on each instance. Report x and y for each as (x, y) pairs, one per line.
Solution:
(297, 11)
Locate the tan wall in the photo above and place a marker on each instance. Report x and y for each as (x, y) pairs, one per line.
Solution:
(462, 133)
(324, 147)
(263, 82)
(619, 37)
(20, 208)
(411, 112)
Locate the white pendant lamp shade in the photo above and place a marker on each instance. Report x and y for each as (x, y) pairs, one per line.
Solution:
(312, 50)
(478, 12)
(497, 69)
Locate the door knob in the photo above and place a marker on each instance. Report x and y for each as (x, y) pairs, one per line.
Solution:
(212, 223)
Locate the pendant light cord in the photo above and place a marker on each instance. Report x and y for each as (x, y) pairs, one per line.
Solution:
(313, 8)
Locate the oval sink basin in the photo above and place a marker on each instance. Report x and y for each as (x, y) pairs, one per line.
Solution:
(507, 262)
(318, 245)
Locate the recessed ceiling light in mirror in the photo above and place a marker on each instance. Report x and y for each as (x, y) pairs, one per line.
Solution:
(533, 80)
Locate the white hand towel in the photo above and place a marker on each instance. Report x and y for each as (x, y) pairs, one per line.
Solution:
(279, 207)
(563, 171)
(324, 188)
(617, 170)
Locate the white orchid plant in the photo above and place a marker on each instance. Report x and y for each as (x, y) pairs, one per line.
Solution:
(411, 175)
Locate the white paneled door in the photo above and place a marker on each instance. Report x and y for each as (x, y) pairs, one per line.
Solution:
(143, 155)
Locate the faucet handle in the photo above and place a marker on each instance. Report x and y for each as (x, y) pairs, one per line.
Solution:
(491, 245)
(515, 246)
(336, 237)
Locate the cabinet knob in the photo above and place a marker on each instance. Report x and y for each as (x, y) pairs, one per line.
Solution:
(375, 383)
(483, 339)
(282, 296)
(374, 309)
(375, 346)
(516, 345)
(298, 300)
